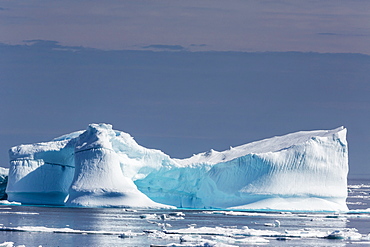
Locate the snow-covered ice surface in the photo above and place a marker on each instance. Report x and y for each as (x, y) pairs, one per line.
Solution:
(63, 226)
(102, 167)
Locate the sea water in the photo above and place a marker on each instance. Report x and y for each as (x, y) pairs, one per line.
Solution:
(61, 226)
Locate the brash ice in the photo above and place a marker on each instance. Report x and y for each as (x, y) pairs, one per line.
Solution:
(102, 167)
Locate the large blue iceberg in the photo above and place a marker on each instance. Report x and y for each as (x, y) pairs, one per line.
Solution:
(102, 167)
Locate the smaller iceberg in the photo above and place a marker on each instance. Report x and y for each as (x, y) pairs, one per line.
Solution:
(3, 182)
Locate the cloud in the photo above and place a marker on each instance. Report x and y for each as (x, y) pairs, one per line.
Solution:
(51, 45)
(343, 34)
(328, 34)
(42, 43)
(165, 47)
(198, 45)
(318, 26)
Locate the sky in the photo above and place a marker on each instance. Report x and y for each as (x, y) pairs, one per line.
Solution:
(237, 25)
(186, 76)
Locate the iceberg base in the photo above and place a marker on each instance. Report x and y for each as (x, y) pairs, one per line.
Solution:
(297, 204)
(39, 198)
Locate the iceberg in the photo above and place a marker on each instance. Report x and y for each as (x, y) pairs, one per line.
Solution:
(3, 182)
(103, 167)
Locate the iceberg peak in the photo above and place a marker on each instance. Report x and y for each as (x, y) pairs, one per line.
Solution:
(95, 136)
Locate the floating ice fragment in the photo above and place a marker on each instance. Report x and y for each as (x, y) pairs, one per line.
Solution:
(337, 234)
(367, 237)
(7, 244)
(57, 230)
(21, 213)
(191, 238)
(251, 240)
(130, 210)
(247, 240)
(5, 202)
(129, 234)
(177, 214)
(163, 217)
(201, 243)
(347, 234)
(161, 235)
(148, 216)
(164, 225)
(283, 238)
(275, 224)
(192, 225)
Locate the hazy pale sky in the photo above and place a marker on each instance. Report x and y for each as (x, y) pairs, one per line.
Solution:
(237, 25)
(291, 68)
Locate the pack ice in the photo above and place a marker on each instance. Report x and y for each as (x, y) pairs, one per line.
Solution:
(102, 167)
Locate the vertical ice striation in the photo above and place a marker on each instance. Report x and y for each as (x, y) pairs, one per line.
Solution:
(102, 167)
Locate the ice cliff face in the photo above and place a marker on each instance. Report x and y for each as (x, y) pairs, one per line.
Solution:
(103, 167)
(41, 173)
